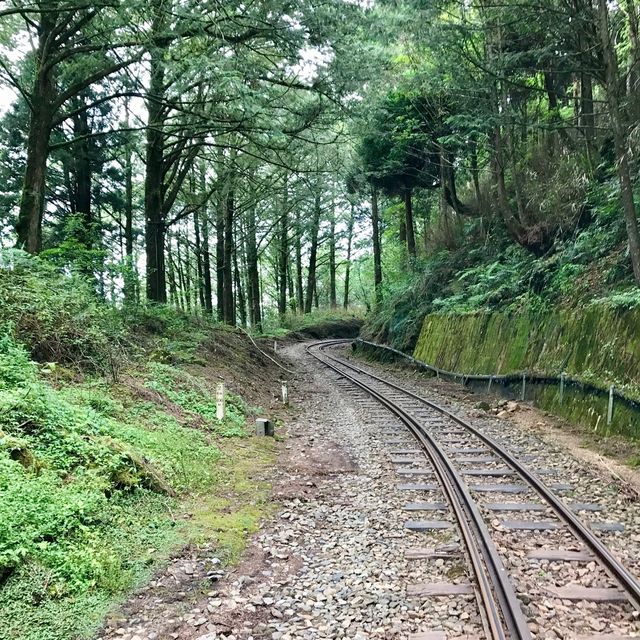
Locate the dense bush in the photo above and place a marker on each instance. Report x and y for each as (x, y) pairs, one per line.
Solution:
(57, 315)
(89, 473)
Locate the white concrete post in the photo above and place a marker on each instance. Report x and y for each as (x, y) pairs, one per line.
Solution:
(221, 408)
(610, 408)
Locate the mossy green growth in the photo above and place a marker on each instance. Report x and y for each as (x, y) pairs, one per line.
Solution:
(94, 481)
(192, 395)
(243, 498)
(598, 343)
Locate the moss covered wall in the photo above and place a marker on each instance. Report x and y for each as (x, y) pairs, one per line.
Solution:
(595, 344)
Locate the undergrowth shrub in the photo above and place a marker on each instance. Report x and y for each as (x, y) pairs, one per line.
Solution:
(192, 395)
(58, 316)
(78, 466)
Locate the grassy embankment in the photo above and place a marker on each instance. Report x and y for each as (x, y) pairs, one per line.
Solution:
(111, 457)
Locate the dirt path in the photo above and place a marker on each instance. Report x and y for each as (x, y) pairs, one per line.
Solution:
(331, 563)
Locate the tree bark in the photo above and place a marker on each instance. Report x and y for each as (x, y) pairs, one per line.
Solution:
(410, 228)
(130, 279)
(377, 249)
(299, 286)
(206, 250)
(633, 76)
(333, 299)
(199, 262)
(83, 174)
(313, 256)
(220, 254)
(347, 274)
(229, 311)
(29, 225)
(154, 178)
(240, 302)
(253, 274)
(283, 255)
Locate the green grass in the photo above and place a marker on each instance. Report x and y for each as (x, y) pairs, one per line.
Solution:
(95, 481)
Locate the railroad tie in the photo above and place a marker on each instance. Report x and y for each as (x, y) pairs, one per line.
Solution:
(499, 488)
(514, 506)
(437, 589)
(560, 555)
(529, 525)
(425, 506)
(437, 553)
(576, 593)
(426, 525)
(417, 486)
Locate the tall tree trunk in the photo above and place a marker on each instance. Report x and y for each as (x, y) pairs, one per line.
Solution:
(377, 250)
(283, 254)
(199, 261)
(410, 228)
(620, 136)
(313, 255)
(253, 274)
(206, 264)
(179, 267)
(29, 225)
(347, 274)
(299, 287)
(188, 289)
(130, 277)
(171, 272)
(154, 179)
(206, 250)
(220, 254)
(83, 173)
(227, 272)
(241, 302)
(333, 299)
(633, 76)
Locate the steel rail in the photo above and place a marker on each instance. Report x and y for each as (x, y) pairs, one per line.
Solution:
(503, 617)
(616, 570)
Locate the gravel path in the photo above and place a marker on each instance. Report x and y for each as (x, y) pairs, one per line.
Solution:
(333, 562)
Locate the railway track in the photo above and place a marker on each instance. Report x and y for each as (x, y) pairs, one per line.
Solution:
(450, 443)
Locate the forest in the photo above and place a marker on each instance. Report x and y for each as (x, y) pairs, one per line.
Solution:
(175, 174)
(267, 159)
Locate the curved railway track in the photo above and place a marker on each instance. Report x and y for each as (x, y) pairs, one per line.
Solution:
(500, 607)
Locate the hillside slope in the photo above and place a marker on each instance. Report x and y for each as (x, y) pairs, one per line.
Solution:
(111, 456)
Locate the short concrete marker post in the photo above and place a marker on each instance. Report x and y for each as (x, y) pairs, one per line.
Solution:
(610, 407)
(264, 428)
(220, 402)
(285, 394)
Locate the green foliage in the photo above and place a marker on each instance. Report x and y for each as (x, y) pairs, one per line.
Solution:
(190, 394)
(89, 474)
(174, 336)
(496, 275)
(399, 150)
(57, 316)
(629, 299)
